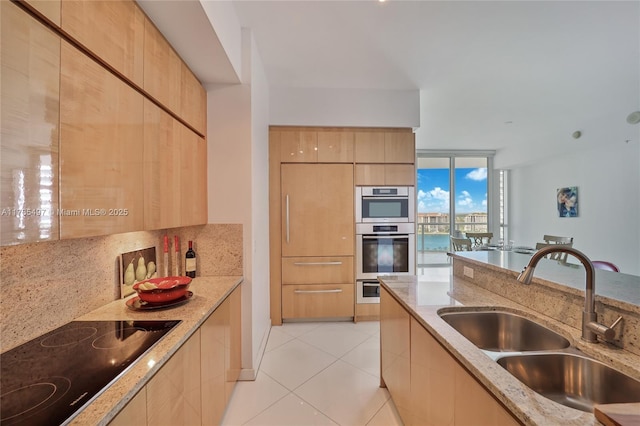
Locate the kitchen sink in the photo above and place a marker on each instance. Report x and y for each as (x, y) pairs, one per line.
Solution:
(572, 380)
(500, 331)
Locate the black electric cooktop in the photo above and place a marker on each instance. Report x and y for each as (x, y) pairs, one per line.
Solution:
(48, 380)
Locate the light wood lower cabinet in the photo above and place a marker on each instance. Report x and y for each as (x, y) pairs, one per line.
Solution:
(134, 413)
(195, 385)
(317, 301)
(429, 386)
(220, 357)
(395, 349)
(233, 343)
(317, 270)
(213, 365)
(174, 393)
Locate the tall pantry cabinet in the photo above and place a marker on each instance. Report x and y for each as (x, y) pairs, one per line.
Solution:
(312, 209)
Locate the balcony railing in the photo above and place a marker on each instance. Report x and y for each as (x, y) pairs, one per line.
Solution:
(434, 237)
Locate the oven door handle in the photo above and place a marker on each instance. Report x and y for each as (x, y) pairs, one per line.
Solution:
(337, 290)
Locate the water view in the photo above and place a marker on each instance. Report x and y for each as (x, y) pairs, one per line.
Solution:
(432, 242)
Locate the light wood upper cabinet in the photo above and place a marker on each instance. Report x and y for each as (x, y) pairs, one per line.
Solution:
(193, 178)
(399, 147)
(298, 146)
(101, 150)
(175, 172)
(314, 146)
(112, 30)
(162, 69)
(392, 146)
(174, 393)
(30, 60)
(50, 9)
(369, 147)
(385, 158)
(335, 147)
(162, 169)
(193, 100)
(385, 174)
(319, 201)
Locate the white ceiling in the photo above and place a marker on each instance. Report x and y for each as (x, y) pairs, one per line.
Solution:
(492, 74)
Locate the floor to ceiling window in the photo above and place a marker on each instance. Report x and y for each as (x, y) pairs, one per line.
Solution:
(454, 196)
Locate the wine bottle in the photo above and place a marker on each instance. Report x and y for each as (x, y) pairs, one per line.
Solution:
(190, 262)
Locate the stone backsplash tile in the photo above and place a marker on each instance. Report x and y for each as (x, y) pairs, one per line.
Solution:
(45, 285)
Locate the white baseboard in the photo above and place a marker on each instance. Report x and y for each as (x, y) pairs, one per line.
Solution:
(250, 374)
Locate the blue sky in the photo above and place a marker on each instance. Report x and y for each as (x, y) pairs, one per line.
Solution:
(434, 191)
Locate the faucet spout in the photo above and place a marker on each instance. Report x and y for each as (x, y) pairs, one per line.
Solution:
(590, 327)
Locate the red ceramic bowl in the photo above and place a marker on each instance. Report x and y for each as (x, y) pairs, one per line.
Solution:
(166, 289)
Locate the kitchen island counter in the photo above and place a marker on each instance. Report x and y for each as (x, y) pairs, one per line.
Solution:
(423, 299)
(209, 293)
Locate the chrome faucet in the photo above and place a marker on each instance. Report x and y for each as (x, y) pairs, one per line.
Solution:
(591, 329)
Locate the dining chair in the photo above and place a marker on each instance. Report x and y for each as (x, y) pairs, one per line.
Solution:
(561, 257)
(554, 239)
(603, 264)
(461, 244)
(478, 238)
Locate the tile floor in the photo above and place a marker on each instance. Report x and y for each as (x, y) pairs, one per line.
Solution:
(320, 373)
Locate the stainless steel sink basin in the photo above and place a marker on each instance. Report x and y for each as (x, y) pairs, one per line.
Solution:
(572, 380)
(503, 331)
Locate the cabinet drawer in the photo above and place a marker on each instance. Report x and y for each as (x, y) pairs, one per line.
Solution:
(317, 270)
(318, 301)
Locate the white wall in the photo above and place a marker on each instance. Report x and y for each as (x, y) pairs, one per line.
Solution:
(238, 164)
(260, 307)
(344, 107)
(608, 181)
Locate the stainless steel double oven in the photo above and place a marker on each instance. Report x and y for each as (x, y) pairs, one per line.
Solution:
(385, 237)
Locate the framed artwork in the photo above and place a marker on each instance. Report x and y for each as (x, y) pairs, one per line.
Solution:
(567, 199)
(136, 266)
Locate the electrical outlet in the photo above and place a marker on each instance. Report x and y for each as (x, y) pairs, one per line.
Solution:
(468, 272)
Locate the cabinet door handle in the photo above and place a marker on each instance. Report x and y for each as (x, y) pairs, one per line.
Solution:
(337, 290)
(317, 263)
(287, 216)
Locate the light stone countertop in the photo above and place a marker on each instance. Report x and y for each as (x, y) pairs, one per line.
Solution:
(208, 292)
(618, 289)
(423, 299)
